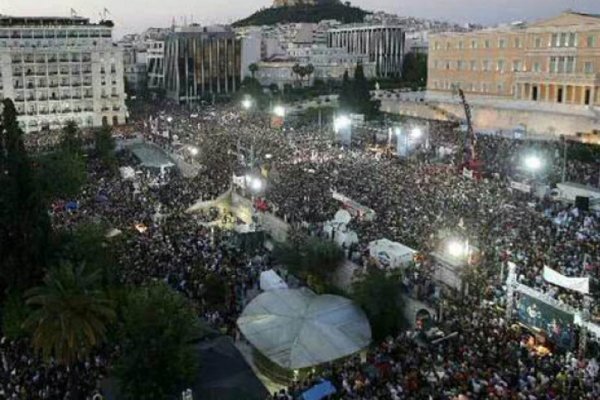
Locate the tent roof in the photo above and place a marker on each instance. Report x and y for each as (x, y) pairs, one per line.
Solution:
(295, 328)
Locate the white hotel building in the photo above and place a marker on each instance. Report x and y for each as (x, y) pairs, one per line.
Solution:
(57, 69)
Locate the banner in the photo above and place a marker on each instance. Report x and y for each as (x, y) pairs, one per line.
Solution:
(581, 285)
(557, 324)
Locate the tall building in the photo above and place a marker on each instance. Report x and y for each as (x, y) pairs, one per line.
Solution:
(58, 69)
(383, 43)
(201, 61)
(155, 56)
(532, 72)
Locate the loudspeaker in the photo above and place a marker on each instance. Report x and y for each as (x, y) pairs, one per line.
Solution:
(582, 202)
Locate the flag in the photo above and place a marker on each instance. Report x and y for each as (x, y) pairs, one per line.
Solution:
(581, 285)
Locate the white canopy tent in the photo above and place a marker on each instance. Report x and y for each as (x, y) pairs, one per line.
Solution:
(391, 254)
(269, 280)
(295, 328)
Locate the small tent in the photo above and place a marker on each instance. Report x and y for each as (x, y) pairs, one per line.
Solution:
(391, 254)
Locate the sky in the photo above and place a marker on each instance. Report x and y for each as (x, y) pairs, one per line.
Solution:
(136, 15)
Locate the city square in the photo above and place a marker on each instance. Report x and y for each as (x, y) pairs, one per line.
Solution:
(299, 211)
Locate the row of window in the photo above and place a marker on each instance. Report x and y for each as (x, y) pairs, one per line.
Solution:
(54, 34)
(560, 65)
(565, 39)
(497, 88)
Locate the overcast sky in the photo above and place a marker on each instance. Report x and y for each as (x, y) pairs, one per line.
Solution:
(136, 15)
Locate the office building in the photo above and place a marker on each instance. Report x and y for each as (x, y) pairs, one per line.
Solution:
(383, 43)
(57, 69)
(201, 62)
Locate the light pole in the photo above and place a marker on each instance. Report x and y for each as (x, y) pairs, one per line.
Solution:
(564, 166)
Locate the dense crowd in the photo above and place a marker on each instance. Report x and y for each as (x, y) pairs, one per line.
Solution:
(418, 202)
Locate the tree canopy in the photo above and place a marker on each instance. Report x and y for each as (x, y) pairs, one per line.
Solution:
(355, 96)
(158, 359)
(377, 292)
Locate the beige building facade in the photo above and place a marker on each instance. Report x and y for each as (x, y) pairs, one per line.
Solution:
(550, 66)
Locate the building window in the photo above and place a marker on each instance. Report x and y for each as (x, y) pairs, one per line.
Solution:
(447, 64)
(538, 42)
(473, 44)
(459, 65)
(572, 39)
(588, 68)
(536, 67)
(500, 66)
(437, 45)
(552, 68)
(448, 46)
(570, 65)
(500, 88)
(564, 39)
(518, 43)
(485, 65)
(555, 40)
(435, 64)
(473, 65)
(487, 44)
(590, 41)
(517, 66)
(501, 43)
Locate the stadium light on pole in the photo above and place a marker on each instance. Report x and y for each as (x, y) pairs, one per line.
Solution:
(341, 122)
(416, 133)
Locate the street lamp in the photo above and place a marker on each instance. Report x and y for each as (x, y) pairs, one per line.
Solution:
(193, 150)
(456, 249)
(279, 111)
(247, 103)
(416, 133)
(254, 183)
(533, 163)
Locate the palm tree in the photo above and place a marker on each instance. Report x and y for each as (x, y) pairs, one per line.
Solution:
(309, 70)
(253, 68)
(297, 70)
(71, 313)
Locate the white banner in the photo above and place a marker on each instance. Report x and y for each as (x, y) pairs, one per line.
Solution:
(240, 181)
(581, 285)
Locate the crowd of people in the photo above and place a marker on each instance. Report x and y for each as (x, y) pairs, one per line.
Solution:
(419, 202)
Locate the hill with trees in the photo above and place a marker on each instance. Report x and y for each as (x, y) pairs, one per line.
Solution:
(327, 9)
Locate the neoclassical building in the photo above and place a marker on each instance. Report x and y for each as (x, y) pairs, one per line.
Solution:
(550, 66)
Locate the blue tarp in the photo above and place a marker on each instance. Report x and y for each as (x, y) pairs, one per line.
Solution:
(320, 391)
(71, 206)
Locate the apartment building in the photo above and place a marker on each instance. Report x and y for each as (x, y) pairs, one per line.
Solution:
(551, 65)
(57, 69)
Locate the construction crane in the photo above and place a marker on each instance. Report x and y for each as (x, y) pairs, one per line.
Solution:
(469, 159)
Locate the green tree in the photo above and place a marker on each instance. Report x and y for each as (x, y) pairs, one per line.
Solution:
(157, 358)
(310, 258)
(61, 174)
(309, 70)
(70, 313)
(361, 92)
(253, 68)
(14, 315)
(104, 146)
(377, 292)
(346, 99)
(414, 69)
(252, 88)
(71, 138)
(24, 221)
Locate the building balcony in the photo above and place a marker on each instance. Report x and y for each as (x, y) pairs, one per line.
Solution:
(558, 78)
